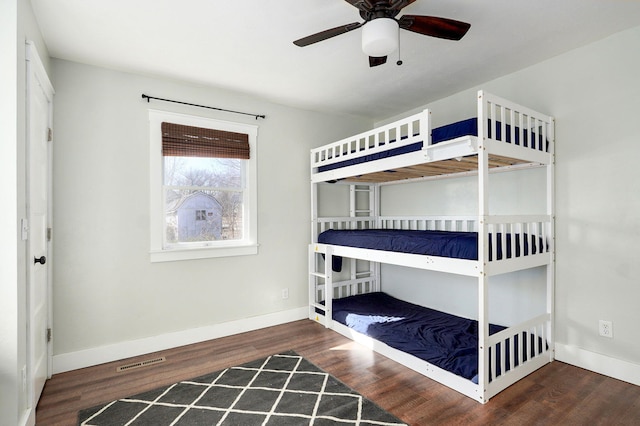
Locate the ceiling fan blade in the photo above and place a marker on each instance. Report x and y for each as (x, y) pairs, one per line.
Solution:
(435, 27)
(326, 34)
(374, 61)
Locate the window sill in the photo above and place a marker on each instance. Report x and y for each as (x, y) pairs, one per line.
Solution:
(177, 254)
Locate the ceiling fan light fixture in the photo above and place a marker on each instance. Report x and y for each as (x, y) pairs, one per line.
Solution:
(380, 37)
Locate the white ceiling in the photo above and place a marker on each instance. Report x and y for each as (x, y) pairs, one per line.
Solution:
(247, 45)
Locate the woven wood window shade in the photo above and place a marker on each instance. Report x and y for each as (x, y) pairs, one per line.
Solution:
(187, 141)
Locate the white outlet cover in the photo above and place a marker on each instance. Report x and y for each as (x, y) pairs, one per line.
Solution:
(605, 328)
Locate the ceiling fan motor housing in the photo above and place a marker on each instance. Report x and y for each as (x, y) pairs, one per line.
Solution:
(380, 37)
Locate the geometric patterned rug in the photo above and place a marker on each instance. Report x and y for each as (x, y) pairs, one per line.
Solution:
(282, 389)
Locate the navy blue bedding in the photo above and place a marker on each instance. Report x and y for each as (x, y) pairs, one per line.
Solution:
(445, 340)
(457, 245)
(468, 127)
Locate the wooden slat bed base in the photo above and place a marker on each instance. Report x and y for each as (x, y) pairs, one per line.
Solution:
(437, 168)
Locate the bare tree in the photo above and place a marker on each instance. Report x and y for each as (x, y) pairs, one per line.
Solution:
(218, 177)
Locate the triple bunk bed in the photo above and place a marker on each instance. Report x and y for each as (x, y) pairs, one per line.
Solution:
(347, 253)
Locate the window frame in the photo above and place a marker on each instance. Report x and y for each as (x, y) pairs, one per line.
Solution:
(248, 245)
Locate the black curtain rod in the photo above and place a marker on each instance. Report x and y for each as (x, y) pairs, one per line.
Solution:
(148, 98)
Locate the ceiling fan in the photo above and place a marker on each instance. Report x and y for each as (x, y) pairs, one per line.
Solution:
(380, 28)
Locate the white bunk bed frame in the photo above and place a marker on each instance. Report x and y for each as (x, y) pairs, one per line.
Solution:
(468, 155)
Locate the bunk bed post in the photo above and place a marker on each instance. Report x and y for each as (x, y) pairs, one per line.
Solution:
(552, 243)
(312, 265)
(312, 283)
(328, 287)
(374, 205)
(313, 257)
(425, 127)
(483, 249)
(353, 212)
(352, 201)
(314, 212)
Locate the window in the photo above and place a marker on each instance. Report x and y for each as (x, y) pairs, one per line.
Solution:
(203, 187)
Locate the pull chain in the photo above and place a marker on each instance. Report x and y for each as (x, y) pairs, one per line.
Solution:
(399, 62)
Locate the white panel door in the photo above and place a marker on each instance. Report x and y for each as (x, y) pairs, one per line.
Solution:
(39, 104)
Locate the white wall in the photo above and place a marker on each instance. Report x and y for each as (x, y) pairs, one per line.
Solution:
(594, 94)
(514, 297)
(106, 292)
(9, 362)
(17, 24)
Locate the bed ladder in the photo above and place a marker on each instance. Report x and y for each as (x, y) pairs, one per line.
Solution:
(370, 208)
(363, 201)
(320, 283)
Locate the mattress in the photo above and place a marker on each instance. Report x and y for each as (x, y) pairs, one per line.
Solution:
(457, 245)
(442, 339)
(468, 127)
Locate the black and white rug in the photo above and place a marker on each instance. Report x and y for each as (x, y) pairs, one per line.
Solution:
(282, 389)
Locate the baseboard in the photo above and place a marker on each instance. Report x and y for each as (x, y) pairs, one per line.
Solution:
(100, 355)
(602, 364)
(28, 417)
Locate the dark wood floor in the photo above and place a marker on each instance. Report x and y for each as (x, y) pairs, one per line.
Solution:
(557, 394)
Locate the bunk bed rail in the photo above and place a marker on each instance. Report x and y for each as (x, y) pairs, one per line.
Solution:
(326, 223)
(351, 287)
(512, 130)
(524, 241)
(513, 135)
(512, 242)
(419, 223)
(518, 351)
(430, 223)
(403, 132)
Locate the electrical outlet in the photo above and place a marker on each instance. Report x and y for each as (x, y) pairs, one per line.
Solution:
(606, 328)
(285, 293)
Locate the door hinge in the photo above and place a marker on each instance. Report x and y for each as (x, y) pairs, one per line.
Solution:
(49, 231)
(48, 335)
(24, 229)
(49, 134)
